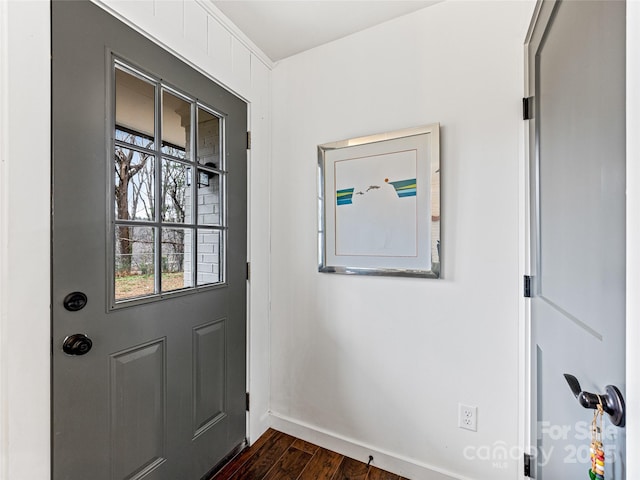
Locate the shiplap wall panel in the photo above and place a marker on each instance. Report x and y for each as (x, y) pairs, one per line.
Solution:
(170, 15)
(142, 11)
(219, 40)
(241, 65)
(195, 26)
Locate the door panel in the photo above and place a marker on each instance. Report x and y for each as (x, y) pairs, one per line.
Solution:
(577, 72)
(138, 408)
(161, 393)
(209, 353)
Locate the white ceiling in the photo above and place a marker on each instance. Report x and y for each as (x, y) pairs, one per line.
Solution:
(281, 28)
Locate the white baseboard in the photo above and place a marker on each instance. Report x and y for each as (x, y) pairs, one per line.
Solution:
(257, 426)
(351, 448)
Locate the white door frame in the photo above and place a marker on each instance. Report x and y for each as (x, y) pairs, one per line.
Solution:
(24, 240)
(633, 237)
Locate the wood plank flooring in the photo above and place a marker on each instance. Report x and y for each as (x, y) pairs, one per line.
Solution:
(278, 456)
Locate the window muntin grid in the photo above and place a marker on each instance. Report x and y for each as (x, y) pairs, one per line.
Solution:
(168, 198)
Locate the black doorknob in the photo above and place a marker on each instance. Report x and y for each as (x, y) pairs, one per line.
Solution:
(77, 344)
(75, 301)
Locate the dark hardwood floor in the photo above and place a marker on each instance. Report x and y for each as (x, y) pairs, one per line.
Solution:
(278, 456)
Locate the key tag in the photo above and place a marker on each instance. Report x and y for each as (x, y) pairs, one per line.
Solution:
(596, 472)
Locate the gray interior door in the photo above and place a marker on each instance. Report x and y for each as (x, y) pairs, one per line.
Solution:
(577, 76)
(149, 238)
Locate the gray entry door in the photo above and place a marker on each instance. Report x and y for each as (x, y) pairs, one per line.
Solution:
(576, 53)
(149, 222)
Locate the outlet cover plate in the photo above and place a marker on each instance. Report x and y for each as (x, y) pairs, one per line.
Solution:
(468, 417)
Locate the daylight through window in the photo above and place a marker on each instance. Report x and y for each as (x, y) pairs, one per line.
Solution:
(168, 194)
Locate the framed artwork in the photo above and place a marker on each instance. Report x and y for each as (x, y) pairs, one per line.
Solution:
(379, 204)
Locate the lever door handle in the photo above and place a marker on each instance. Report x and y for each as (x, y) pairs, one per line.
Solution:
(612, 401)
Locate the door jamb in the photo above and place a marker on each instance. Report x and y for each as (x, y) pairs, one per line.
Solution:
(541, 16)
(633, 237)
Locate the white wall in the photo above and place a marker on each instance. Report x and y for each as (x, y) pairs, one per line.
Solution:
(199, 34)
(374, 364)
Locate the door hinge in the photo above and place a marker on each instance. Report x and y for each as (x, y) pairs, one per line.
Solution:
(247, 400)
(527, 108)
(248, 140)
(248, 271)
(527, 465)
(527, 286)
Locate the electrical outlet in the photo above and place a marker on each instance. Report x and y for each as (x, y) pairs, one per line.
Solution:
(468, 417)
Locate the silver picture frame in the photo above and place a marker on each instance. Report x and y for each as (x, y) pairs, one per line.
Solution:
(379, 204)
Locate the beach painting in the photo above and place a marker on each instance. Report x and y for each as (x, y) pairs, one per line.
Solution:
(376, 205)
